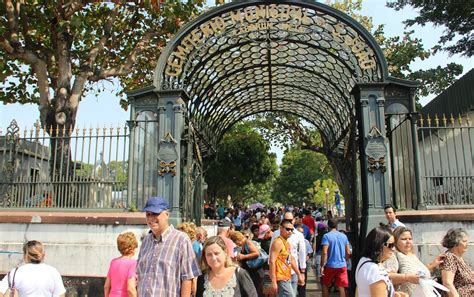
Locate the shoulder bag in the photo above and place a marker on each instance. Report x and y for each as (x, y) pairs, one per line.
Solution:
(258, 262)
(11, 291)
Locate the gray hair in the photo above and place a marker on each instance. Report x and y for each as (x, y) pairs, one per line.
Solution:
(453, 237)
(222, 229)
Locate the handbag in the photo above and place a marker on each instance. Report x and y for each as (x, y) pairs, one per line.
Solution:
(427, 288)
(11, 291)
(257, 262)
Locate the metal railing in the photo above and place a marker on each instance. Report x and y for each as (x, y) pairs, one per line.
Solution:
(80, 168)
(446, 162)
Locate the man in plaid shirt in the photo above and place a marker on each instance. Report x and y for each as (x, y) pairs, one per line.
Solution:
(166, 261)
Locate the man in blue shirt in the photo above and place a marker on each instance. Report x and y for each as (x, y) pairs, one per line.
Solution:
(335, 252)
(391, 215)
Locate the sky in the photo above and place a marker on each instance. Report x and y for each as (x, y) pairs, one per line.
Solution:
(104, 109)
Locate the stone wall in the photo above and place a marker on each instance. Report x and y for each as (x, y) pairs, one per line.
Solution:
(75, 249)
(427, 238)
(81, 246)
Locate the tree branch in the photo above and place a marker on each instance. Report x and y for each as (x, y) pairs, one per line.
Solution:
(94, 52)
(12, 20)
(126, 67)
(41, 71)
(69, 9)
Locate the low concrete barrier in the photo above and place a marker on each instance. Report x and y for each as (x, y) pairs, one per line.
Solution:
(82, 244)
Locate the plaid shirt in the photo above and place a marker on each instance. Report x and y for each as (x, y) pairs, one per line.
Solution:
(164, 263)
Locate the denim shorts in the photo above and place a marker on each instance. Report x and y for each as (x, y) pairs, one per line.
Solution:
(285, 289)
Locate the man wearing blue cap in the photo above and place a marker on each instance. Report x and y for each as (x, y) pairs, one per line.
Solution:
(166, 261)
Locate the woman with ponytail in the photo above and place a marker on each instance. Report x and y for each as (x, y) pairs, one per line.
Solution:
(34, 278)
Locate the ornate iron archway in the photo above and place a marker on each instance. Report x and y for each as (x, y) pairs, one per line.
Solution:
(248, 57)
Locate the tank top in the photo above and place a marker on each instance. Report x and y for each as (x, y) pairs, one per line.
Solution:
(283, 262)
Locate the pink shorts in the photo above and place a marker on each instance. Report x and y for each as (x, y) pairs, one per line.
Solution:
(338, 276)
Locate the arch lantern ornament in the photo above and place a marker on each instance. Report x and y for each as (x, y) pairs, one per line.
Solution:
(300, 57)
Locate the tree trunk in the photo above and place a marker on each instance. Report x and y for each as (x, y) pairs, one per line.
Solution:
(59, 125)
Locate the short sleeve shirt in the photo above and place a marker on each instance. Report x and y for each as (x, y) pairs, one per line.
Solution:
(368, 273)
(463, 274)
(35, 280)
(164, 263)
(336, 242)
(120, 271)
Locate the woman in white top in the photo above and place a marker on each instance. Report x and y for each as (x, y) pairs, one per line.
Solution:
(34, 278)
(371, 278)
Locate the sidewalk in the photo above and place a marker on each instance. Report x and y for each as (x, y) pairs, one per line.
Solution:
(313, 287)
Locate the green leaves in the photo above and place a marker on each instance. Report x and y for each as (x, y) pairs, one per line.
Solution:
(242, 165)
(455, 16)
(298, 173)
(43, 23)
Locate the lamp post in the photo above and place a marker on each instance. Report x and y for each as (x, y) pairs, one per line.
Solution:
(327, 198)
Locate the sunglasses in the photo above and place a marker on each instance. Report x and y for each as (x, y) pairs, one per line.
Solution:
(289, 229)
(390, 245)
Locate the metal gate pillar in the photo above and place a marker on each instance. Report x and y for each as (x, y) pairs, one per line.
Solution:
(171, 117)
(373, 154)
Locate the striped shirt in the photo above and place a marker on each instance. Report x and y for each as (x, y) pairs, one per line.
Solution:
(164, 263)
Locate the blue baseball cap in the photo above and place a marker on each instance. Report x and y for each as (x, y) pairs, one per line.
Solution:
(156, 205)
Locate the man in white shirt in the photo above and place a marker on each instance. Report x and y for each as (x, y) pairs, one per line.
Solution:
(391, 216)
(298, 249)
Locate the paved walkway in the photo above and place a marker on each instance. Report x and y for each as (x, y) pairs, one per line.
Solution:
(313, 287)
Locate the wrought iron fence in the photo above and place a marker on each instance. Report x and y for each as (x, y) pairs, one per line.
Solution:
(446, 161)
(87, 168)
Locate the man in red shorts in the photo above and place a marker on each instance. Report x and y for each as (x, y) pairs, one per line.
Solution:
(336, 250)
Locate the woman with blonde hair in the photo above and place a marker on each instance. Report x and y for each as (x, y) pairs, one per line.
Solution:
(220, 277)
(121, 279)
(404, 267)
(34, 278)
(189, 228)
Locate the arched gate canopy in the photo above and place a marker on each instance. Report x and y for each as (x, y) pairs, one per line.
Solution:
(248, 57)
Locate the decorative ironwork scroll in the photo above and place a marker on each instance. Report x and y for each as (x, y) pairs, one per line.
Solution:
(376, 151)
(167, 155)
(8, 171)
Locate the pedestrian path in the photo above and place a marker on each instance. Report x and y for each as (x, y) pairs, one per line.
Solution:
(313, 287)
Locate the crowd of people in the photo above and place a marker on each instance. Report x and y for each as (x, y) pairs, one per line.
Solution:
(260, 252)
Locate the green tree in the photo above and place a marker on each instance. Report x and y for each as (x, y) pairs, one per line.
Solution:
(401, 51)
(53, 52)
(318, 191)
(291, 130)
(241, 165)
(455, 16)
(118, 173)
(298, 172)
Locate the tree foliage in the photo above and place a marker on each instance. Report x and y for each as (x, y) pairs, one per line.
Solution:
(401, 51)
(242, 165)
(52, 52)
(317, 192)
(298, 172)
(455, 16)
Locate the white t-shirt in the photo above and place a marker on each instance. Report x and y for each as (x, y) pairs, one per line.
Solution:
(35, 280)
(370, 273)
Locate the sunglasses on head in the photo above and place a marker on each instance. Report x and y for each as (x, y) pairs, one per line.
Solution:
(390, 245)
